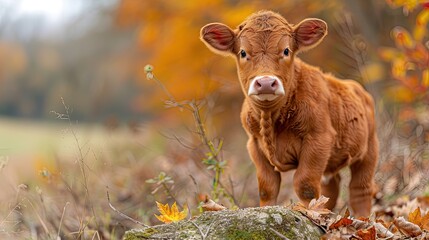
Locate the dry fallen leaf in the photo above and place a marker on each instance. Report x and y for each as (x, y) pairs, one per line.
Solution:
(417, 218)
(318, 205)
(382, 231)
(172, 214)
(210, 205)
(408, 228)
(343, 222)
(332, 236)
(359, 224)
(367, 234)
(315, 210)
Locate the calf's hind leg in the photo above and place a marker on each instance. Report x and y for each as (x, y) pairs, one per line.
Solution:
(362, 182)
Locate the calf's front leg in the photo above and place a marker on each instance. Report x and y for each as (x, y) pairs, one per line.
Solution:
(268, 178)
(312, 162)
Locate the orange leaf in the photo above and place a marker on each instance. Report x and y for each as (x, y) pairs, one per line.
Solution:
(341, 223)
(367, 234)
(415, 216)
(347, 213)
(424, 224)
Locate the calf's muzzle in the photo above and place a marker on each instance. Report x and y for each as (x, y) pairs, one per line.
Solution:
(266, 88)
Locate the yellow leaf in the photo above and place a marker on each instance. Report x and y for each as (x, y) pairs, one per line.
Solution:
(388, 54)
(399, 68)
(172, 214)
(415, 216)
(421, 22)
(408, 5)
(402, 38)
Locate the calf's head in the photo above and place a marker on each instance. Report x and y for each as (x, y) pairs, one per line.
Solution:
(264, 47)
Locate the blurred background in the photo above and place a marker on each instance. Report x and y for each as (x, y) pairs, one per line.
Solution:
(77, 112)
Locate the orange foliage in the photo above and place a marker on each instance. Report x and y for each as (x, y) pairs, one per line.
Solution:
(167, 36)
(410, 58)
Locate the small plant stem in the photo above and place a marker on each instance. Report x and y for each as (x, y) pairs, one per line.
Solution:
(81, 157)
(61, 220)
(169, 193)
(214, 153)
(216, 182)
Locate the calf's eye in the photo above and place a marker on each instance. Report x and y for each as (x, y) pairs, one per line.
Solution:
(243, 54)
(286, 52)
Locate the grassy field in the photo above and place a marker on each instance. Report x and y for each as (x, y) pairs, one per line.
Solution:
(51, 169)
(54, 177)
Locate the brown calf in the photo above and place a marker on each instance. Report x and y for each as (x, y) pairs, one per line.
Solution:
(296, 116)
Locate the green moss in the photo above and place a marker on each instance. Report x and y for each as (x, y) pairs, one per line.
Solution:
(132, 235)
(239, 234)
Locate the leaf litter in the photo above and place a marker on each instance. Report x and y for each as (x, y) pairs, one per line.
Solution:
(404, 220)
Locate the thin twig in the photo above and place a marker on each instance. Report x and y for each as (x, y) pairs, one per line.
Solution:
(14, 209)
(279, 234)
(203, 235)
(96, 234)
(178, 139)
(61, 220)
(123, 214)
(169, 193)
(45, 227)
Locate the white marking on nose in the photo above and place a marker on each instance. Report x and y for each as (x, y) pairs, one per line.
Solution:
(253, 91)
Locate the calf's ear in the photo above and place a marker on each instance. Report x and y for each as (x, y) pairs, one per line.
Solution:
(218, 37)
(309, 33)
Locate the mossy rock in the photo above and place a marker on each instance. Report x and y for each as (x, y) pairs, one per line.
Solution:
(250, 223)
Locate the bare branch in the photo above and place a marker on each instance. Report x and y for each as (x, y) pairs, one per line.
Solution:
(123, 214)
